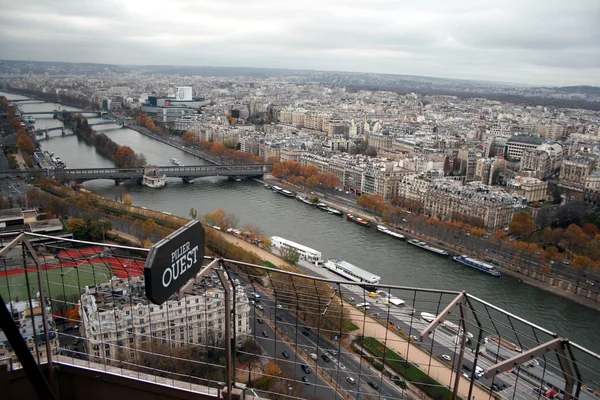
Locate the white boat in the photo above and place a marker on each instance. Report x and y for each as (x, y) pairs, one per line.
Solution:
(427, 316)
(351, 272)
(387, 231)
(425, 246)
(478, 265)
(305, 252)
(153, 178)
(176, 162)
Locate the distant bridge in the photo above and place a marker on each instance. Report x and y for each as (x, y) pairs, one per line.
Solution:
(187, 173)
(29, 101)
(59, 112)
(62, 129)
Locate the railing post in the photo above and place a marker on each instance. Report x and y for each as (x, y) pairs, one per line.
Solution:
(229, 293)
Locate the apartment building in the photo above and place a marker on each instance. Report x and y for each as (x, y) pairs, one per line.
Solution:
(31, 326)
(516, 145)
(117, 320)
(575, 170)
(486, 168)
(447, 198)
(543, 161)
(532, 189)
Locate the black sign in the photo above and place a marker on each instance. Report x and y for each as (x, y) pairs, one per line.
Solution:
(173, 261)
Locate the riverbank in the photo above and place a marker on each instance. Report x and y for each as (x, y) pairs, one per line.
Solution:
(176, 144)
(553, 285)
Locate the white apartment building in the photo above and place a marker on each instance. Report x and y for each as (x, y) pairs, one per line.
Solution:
(117, 320)
(543, 161)
(516, 145)
(22, 313)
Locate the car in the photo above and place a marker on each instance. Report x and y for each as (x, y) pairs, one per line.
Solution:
(495, 387)
(306, 369)
(279, 306)
(414, 337)
(260, 320)
(351, 380)
(446, 357)
(373, 385)
(265, 333)
(325, 357)
(305, 333)
(376, 314)
(260, 307)
(567, 262)
(306, 380)
(313, 356)
(278, 318)
(332, 352)
(285, 354)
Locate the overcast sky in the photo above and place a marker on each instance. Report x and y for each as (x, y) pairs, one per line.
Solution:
(548, 42)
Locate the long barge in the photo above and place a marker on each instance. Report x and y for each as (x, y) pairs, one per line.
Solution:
(358, 221)
(428, 247)
(478, 265)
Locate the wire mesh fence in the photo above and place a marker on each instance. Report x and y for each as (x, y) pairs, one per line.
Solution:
(292, 335)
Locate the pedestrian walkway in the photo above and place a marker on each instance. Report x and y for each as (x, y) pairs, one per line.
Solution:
(368, 327)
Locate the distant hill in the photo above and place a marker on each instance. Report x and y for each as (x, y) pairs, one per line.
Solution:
(594, 90)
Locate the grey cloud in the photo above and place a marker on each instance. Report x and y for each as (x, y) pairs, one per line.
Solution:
(545, 42)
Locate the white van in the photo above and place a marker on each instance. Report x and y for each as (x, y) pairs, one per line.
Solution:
(313, 356)
(478, 372)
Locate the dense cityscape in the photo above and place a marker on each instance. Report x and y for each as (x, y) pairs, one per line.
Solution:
(319, 200)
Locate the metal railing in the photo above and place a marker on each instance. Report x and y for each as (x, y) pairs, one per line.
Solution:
(291, 335)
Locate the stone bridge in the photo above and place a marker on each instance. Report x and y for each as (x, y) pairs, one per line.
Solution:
(187, 173)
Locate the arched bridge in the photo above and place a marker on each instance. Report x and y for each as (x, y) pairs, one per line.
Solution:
(187, 173)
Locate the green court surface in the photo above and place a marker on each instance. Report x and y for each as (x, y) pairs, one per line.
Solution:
(58, 281)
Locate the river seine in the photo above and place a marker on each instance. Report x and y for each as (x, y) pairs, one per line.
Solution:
(396, 262)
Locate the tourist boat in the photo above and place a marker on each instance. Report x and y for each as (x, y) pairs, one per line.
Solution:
(335, 212)
(286, 193)
(352, 273)
(478, 265)
(358, 220)
(153, 178)
(424, 245)
(176, 162)
(387, 231)
(306, 253)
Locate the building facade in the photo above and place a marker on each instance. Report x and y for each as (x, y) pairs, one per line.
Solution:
(117, 320)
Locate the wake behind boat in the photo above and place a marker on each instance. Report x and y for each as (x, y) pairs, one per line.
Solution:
(424, 245)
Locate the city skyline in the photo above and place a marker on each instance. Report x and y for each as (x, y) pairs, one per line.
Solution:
(533, 43)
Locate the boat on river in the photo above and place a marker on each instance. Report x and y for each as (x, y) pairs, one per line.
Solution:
(153, 178)
(478, 265)
(424, 245)
(176, 162)
(387, 231)
(358, 220)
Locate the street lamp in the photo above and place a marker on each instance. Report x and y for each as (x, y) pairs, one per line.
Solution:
(102, 222)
